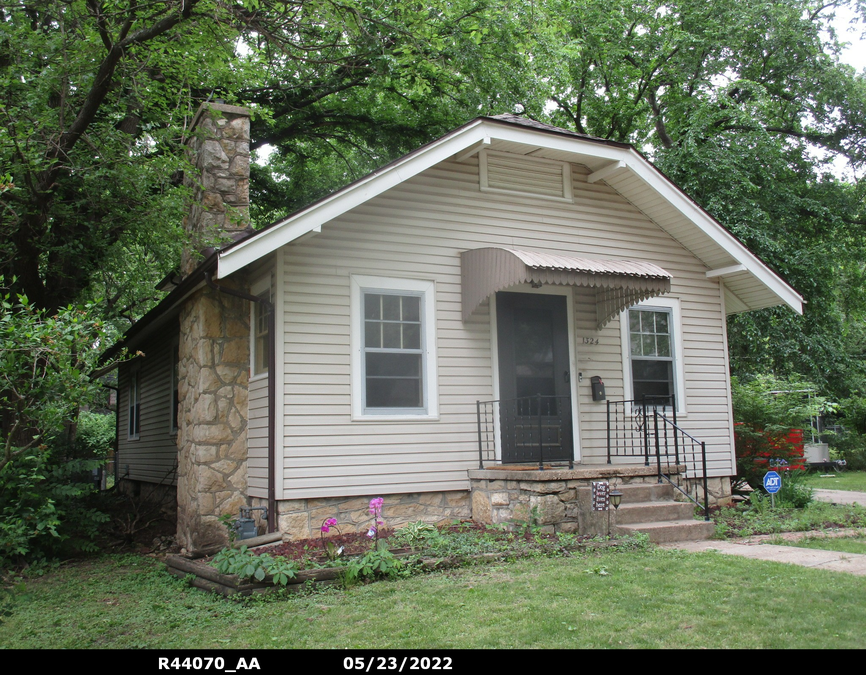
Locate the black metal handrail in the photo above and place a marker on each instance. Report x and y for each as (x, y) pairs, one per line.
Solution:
(539, 408)
(628, 430)
(672, 440)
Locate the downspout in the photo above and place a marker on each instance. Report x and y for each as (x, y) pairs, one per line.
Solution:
(272, 389)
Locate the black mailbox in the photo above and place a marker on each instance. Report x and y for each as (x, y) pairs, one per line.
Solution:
(597, 388)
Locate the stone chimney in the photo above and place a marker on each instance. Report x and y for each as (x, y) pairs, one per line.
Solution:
(219, 149)
(214, 343)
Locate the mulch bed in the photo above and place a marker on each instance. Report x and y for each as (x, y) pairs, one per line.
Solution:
(353, 543)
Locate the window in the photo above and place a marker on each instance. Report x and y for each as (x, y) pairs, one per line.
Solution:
(134, 412)
(393, 367)
(651, 351)
(175, 379)
(259, 320)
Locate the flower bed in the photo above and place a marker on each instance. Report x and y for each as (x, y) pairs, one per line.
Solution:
(417, 548)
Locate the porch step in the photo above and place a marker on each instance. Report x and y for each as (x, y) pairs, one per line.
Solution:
(649, 508)
(653, 512)
(673, 530)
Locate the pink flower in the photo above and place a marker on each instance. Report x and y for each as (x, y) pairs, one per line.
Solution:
(331, 522)
(325, 528)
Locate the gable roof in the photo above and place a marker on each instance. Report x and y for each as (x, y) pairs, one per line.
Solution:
(749, 283)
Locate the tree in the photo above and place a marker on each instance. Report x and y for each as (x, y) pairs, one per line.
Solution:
(745, 106)
(97, 95)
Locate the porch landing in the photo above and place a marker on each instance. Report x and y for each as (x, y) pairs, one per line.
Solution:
(560, 500)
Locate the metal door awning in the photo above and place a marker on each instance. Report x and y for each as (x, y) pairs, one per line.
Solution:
(618, 284)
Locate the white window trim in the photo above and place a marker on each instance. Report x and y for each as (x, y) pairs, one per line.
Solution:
(484, 183)
(258, 288)
(672, 304)
(134, 377)
(361, 283)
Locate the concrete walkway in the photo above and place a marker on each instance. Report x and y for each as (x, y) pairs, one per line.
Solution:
(754, 547)
(841, 497)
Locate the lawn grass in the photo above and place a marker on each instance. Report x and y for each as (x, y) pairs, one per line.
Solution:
(854, 544)
(629, 599)
(750, 519)
(845, 480)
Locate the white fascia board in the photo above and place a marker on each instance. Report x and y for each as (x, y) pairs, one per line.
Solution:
(340, 202)
(716, 232)
(549, 141)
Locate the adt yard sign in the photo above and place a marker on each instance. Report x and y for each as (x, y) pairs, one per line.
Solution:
(772, 482)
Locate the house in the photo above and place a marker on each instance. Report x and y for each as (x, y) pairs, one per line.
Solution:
(356, 348)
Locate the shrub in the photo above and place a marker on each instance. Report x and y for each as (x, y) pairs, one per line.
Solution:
(46, 506)
(769, 415)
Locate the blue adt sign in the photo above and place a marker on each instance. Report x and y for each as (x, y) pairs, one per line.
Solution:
(772, 482)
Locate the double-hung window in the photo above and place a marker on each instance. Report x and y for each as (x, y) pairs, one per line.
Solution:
(134, 409)
(394, 367)
(652, 346)
(174, 401)
(260, 315)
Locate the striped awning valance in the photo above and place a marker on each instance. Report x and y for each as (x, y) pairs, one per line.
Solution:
(618, 284)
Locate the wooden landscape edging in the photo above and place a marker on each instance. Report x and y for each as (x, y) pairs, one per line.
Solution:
(207, 578)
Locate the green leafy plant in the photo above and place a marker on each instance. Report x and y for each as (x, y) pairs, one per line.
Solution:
(416, 535)
(247, 565)
(47, 505)
(770, 414)
(378, 562)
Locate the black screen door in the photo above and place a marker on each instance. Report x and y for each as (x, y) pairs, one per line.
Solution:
(534, 378)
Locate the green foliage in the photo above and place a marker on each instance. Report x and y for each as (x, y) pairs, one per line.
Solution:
(377, 562)
(44, 378)
(766, 410)
(850, 446)
(97, 100)
(95, 434)
(795, 491)
(416, 535)
(757, 517)
(248, 565)
(47, 508)
(747, 107)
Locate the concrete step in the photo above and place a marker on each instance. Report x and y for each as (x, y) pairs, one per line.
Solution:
(674, 530)
(646, 492)
(653, 512)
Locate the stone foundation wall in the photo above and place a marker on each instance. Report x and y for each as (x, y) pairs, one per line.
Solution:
(719, 489)
(556, 502)
(561, 499)
(214, 357)
(302, 518)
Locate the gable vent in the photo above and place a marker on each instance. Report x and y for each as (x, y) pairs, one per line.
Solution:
(506, 172)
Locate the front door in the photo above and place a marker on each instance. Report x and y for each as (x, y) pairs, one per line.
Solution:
(534, 378)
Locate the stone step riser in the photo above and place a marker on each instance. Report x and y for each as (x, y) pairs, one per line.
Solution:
(653, 512)
(662, 533)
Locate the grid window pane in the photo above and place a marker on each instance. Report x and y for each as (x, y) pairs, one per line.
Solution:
(652, 357)
(393, 360)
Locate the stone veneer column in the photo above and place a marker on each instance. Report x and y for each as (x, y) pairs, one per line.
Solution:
(219, 149)
(214, 357)
(214, 346)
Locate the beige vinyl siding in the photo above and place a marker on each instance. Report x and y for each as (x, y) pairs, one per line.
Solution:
(417, 231)
(257, 437)
(152, 457)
